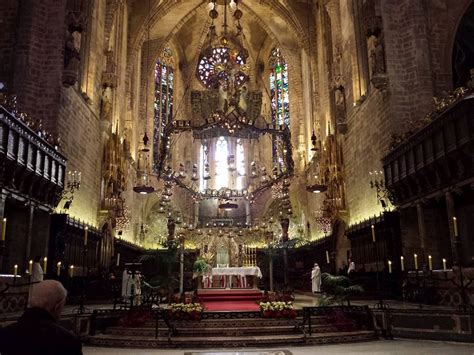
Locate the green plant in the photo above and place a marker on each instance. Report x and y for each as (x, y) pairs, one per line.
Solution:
(201, 267)
(338, 289)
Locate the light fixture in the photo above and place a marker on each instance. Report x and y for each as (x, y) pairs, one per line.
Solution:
(228, 206)
(143, 186)
(316, 188)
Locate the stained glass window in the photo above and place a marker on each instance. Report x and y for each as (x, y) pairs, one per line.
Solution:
(221, 165)
(218, 65)
(240, 160)
(280, 100)
(164, 77)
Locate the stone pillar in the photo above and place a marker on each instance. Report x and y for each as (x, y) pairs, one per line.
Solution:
(3, 199)
(29, 232)
(451, 213)
(421, 229)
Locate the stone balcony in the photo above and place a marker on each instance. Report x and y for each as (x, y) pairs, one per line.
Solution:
(437, 156)
(30, 166)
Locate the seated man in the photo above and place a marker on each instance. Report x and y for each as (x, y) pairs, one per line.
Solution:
(37, 331)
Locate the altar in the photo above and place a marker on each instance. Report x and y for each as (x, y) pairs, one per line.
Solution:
(240, 272)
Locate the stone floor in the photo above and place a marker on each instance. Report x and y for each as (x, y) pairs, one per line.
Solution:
(382, 347)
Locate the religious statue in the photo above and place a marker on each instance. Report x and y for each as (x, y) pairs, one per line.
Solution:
(340, 109)
(351, 267)
(243, 98)
(376, 56)
(223, 98)
(106, 104)
(316, 279)
(71, 57)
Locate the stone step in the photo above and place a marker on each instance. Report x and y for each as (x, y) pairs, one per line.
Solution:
(234, 331)
(225, 342)
(241, 322)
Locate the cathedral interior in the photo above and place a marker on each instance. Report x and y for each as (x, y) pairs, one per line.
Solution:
(258, 134)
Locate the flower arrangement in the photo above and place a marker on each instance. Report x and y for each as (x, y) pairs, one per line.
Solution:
(278, 309)
(185, 311)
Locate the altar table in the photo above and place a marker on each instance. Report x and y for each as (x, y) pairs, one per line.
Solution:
(253, 271)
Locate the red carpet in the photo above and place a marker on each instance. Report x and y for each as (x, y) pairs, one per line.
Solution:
(230, 300)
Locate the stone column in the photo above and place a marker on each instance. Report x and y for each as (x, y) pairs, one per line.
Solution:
(3, 199)
(29, 232)
(421, 229)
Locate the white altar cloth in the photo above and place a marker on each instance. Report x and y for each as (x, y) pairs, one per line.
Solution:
(238, 271)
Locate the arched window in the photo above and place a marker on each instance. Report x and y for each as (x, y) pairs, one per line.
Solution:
(221, 164)
(240, 160)
(164, 77)
(280, 100)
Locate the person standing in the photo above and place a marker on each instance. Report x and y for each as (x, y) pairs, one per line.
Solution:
(37, 273)
(316, 279)
(351, 267)
(37, 331)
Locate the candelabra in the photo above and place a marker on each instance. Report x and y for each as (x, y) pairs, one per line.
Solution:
(73, 184)
(377, 182)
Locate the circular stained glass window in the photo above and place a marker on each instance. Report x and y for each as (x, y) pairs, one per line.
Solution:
(221, 65)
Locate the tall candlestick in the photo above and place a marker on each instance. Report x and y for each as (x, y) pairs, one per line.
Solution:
(15, 270)
(402, 263)
(118, 259)
(389, 266)
(455, 225)
(71, 271)
(86, 232)
(373, 232)
(415, 257)
(45, 264)
(58, 268)
(30, 266)
(4, 229)
(430, 262)
(444, 264)
(327, 257)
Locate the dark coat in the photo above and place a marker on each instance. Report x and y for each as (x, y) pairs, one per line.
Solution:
(37, 333)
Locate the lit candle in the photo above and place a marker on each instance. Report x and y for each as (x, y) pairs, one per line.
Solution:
(118, 259)
(15, 270)
(373, 233)
(86, 231)
(444, 264)
(45, 264)
(415, 257)
(402, 263)
(30, 266)
(430, 262)
(327, 257)
(455, 225)
(389, 266)
(71, 271)
(58, 268)
(4, 229)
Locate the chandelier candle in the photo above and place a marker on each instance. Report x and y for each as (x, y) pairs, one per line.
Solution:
(86, 232)
(430, 262)
(71, 271)
(15, 270)
(389, 267)
(373, 232)
(415, 257)
(402, 263)
(444, 264)
(45, 264)
(58, 268)
(30, 266)
(4, 229)
(455, 225)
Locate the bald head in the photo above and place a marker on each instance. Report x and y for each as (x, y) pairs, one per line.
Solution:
(49, 295)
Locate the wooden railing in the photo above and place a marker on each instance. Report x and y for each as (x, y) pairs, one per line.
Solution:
(29, 164)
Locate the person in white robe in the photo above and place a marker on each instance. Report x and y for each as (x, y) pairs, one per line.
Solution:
(36, 276)
(316, 279)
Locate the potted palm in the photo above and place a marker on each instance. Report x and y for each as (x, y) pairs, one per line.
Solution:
(200, 268)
